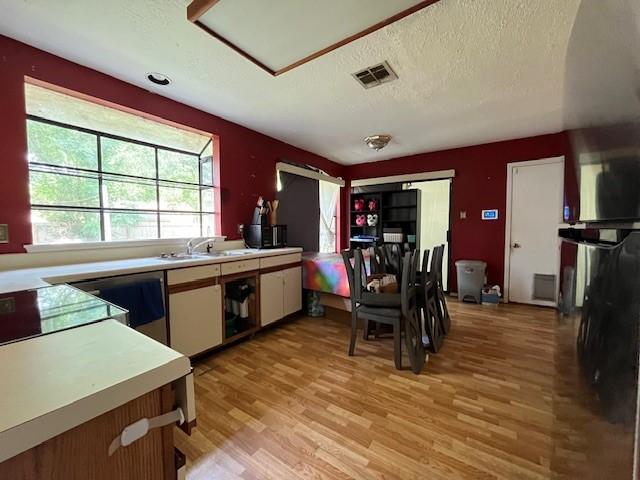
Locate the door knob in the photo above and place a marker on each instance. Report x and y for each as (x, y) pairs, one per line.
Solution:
(516, 245)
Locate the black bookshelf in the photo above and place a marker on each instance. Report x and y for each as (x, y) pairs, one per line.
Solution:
(398, 212)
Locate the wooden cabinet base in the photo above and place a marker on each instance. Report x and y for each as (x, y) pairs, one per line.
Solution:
(81, 453)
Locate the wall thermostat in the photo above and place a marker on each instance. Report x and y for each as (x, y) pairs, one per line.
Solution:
(490, 214)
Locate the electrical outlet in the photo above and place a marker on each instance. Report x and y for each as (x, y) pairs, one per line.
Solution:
(4, 233)
(240, 229)
(7, 305)
(463, 214)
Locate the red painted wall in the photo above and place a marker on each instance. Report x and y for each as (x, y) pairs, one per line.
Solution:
(480, 183)
(247, 158)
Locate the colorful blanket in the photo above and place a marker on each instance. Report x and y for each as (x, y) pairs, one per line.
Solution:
(325, 272)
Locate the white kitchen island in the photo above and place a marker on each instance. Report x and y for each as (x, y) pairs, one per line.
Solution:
(53, 385)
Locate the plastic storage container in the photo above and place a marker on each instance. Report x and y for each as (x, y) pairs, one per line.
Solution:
(470, 279)
(314, 307)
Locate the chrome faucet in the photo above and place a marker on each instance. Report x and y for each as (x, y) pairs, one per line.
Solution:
(191, 246)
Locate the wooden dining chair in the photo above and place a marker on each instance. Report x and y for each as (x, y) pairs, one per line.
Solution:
(435, 285)
(428, 296)
(357, 278)
(410, 314)
(441, 303)
(381, 308)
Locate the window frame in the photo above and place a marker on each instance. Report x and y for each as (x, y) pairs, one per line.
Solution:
(155, 181)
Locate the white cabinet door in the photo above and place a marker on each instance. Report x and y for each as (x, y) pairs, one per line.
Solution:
(292, 290)
(271, 297)
(195, 318)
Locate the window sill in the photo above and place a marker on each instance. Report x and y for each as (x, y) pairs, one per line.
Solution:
(69, 247)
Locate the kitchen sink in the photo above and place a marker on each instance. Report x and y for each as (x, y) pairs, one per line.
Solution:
(181, 256)
(225, 253)
(214, 254)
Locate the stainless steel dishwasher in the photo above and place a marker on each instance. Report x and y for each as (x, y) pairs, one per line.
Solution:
(156, 329)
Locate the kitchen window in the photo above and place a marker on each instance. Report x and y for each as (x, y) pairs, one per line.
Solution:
(88, 185)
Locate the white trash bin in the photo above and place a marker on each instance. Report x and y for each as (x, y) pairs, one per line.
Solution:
(471, 275)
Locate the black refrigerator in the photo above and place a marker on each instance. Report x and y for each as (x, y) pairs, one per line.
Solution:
(595, 401)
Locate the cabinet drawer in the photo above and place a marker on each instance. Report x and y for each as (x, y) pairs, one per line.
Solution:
(189, 274)
(240, 266)
(287, 259)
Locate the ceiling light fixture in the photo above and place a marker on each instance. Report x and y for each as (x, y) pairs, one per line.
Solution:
(158, 78)
(377, 142)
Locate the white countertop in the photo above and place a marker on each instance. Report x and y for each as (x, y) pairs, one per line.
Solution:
(56, 382)
(14, 280)
(53, 383)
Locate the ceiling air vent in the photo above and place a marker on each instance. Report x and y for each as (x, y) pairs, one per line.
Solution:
(375, 75)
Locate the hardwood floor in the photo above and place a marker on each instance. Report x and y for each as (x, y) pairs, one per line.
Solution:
(500, 400)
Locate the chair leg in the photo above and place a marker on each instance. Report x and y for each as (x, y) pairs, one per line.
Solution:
(397, 345)
(445, 311)
(435, 293)
(365, 333)
(433, 325)
(354, 333)
(413, 339)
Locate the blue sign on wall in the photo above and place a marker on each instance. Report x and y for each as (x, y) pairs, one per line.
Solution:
(490, 214)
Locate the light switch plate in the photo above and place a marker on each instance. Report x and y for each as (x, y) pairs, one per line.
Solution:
(7, 305)
(4, 233)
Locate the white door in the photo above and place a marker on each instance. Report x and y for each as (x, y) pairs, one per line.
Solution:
(434, 219)
(271, 297)
(533, 248)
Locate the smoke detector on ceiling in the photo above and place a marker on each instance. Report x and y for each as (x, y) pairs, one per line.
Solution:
(375, 75)
(377, 142)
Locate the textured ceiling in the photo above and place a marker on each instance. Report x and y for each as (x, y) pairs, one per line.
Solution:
(470, 71)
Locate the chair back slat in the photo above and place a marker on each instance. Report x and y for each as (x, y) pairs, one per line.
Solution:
(359, 274)
(408, 283)
(376, 260)
(424, 273)
(439, 264)
(415, 257)
(393, 258)
(347, 255)
(433, 267)
(383, 257)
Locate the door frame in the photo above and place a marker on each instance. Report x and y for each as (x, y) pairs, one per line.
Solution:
(507, 227)
(449, 236)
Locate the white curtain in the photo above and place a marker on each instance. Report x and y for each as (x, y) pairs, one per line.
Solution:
(328, 201)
